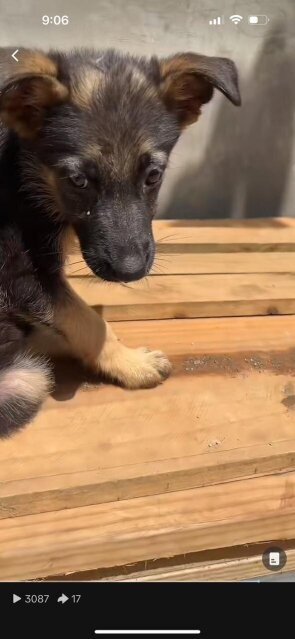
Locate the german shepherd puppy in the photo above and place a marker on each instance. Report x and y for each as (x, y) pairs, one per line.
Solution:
(85, 139)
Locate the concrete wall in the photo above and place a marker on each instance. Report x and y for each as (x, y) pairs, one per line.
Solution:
(234, 162)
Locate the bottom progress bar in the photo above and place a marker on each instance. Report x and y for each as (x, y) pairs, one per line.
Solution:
(147, 632)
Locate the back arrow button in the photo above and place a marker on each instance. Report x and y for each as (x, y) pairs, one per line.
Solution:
(13, 55)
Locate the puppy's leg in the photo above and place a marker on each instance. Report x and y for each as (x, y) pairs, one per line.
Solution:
(92, 340)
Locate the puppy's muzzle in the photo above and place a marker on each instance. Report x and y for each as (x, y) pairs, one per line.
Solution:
(129, 266)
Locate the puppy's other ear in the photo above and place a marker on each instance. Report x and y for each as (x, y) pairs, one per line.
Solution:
(188, 81)
(28, 91)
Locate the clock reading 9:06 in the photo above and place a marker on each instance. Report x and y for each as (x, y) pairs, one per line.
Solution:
(57, 20)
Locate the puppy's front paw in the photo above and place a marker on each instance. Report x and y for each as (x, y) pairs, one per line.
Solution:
(148, 368)
(137, 368)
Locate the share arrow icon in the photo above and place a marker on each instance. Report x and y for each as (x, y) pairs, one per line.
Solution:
(15, 598)
(62, 599)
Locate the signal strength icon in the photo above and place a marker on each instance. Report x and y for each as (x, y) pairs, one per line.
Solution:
(217, 21)
(236, 19)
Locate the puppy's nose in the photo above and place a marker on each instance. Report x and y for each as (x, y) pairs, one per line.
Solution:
(131, 267)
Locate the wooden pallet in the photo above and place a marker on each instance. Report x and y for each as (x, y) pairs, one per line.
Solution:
(186, 475)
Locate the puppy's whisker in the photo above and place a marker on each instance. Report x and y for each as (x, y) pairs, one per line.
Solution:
(157, 271)
(164, 240)
(79, 270)
(174, 236)
(145, 281)
(74, 263)
(125, 285)
(160, 259)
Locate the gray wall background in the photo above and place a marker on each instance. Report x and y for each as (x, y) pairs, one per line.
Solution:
(233, 162)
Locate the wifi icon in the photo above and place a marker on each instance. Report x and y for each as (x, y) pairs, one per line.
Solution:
(236, 19)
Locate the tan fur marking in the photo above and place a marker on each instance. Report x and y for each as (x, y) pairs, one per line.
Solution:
(49, 181)
(92, 340)
(177, 64)
(36, 62)
(139, 82)
(30, 62)
(150, 92)
(22, 108)
(138, 78)
(69, 242)
(146, 146)
(188, 81)
(85, 85)
(182, 89)
(92, 151)
(46, 91)
(159, 156)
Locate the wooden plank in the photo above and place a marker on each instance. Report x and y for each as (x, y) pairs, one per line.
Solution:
(220, 564)
(114, 534)
(264, 234)
(244, 568)
(105, 443)
(186, 263)
(234, 563)
(182, 296)
(212, 335)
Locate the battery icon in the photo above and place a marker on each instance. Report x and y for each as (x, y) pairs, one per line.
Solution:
(258, 20)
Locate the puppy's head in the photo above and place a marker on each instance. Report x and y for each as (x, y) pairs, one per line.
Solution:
(99, 128)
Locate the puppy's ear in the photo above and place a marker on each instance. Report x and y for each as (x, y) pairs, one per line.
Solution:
(188, 81)
(28, 91)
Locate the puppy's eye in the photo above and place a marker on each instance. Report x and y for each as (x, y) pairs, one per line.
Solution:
(153, 177)
(79, 180)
